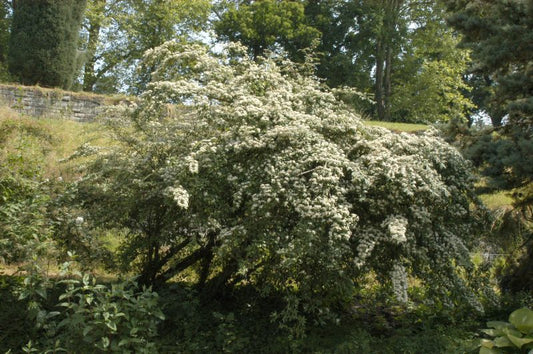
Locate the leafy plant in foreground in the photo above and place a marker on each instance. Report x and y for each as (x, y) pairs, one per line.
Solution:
(89, 316)
(513, 336)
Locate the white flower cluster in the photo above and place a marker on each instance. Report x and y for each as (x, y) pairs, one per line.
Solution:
(399, 282)
(180, 196)
(397, 227)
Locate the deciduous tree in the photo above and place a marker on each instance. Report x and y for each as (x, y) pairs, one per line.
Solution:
(117, 33)
(267, 25)
(400, 52)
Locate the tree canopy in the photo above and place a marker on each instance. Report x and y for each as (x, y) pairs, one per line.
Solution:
(117, 33)
(268, 25)
(401, 53)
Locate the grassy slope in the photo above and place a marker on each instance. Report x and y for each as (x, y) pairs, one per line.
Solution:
(497, 199)
(47, 142)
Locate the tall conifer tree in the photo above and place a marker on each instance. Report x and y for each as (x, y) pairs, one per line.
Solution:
(43, 42)
(500, 35)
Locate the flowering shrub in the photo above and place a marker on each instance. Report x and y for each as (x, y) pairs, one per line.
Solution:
(252, 173)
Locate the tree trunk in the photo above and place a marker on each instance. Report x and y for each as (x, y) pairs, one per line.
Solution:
(380, 104)
(387, 84)
(89, 74)
(385, 53)
(206, 262)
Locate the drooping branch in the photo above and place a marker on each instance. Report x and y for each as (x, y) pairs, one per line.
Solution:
(205, 252)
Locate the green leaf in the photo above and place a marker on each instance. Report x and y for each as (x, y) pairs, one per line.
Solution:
(498, 324)
(485, 350)
(41, 292)
(85, 279)
(519, 342)
(89, 299)
(112, 326)
(512, 332)
(105, 342)
(487, 343)
(522, 319)
(493, 332)
(502, 342)
(86, 330)
(124, 342)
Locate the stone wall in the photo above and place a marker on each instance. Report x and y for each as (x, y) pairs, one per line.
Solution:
(41, 102)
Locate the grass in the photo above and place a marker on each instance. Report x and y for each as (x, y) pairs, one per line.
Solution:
(398, 127)
(45, 142)
(497, 199)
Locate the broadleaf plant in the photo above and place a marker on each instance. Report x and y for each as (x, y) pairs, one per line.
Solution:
(513, 336)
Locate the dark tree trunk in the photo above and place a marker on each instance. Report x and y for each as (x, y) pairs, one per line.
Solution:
(385, 53)
(379, 94)
(206, 262)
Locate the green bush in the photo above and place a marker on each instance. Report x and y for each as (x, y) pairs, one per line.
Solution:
(16, 328)
(262, 178)
(88, 317)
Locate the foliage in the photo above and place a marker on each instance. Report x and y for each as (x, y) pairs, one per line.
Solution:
(5, 24)
(429, 84)
(263, 178)
(401, 52)
(496, 32)
(506, 159)
(267, 25)
(87, 316)
(345, 44)
(23, 191)
(243, 324)
(43, 41)
(33, 178)
(15, 326)
(517, 334)
(117, 33)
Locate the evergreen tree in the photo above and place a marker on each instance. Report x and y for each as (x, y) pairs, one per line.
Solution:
(5, 24)
(500, 35)
(43, 41)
